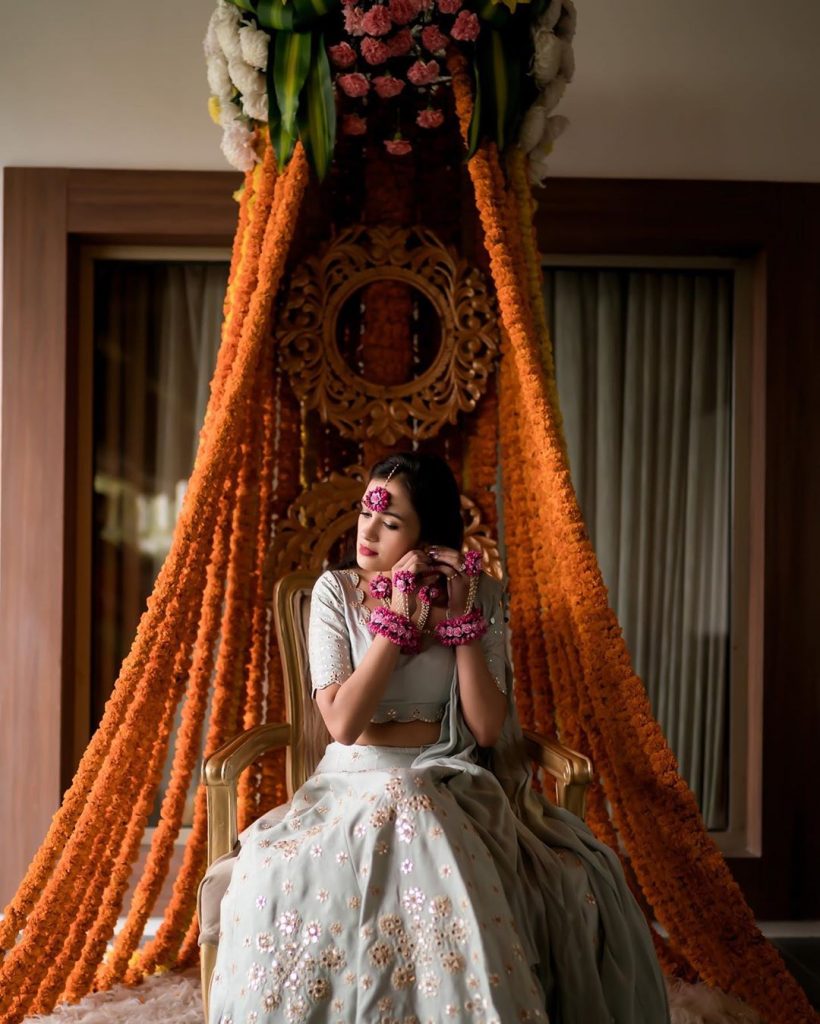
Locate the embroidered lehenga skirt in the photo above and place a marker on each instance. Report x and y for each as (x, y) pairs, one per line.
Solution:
(400, 887)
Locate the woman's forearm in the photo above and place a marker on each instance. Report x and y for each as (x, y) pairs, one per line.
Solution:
(347, 709)
(483, 705)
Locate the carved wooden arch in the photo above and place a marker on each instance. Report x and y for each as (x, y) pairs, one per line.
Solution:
(307, 333)
(328, 509)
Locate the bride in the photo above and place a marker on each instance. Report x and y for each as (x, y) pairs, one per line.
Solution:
(416, 877)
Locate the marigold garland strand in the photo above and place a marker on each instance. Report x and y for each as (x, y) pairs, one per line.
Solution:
(187, 751)
(48, 897)
(257, 654)
(287, 192)
(720, 938)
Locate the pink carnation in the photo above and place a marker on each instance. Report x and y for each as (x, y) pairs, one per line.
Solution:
(387, 86)
(433, 38)
(401, 43)
(342, 55)
(353, 21)
(465, 27)
(449, 6)
(377, 21)
(354, 84)
(374, 51)
(429, 118)
(421, 73)
(403, 11)
(398, 147)
(352, 124)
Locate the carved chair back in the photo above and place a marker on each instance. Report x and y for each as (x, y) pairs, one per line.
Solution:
(309, 736)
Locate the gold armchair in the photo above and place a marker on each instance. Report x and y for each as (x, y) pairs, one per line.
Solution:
(304, 736)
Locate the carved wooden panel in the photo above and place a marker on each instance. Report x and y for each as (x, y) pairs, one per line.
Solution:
(308, 333)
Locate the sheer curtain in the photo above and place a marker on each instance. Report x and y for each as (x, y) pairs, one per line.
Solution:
(156, 334)
(644, 372)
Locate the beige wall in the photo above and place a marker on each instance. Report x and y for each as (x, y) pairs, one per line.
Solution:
(725, 89)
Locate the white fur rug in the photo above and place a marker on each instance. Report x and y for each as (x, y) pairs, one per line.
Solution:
(175, 999)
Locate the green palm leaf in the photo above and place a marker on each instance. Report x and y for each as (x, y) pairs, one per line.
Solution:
(474, 131)
(291, 63)
(275, 14)
(317, 111)
(281, 139)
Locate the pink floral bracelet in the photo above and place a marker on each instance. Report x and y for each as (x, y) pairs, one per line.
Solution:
(397, 628)
(462, 629)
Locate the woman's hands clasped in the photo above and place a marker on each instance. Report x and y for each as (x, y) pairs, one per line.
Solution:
(418, 562)
(427, 566)
(451, 563)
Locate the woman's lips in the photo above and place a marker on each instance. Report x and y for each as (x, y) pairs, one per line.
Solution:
(365, 551)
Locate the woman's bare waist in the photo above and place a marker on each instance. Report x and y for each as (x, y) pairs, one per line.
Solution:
(400, 734)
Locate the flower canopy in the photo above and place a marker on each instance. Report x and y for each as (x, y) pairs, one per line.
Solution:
(277, 72)
(309, 69)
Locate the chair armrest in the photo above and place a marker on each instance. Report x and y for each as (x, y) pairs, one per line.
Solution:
(572, 771)
(220, 773)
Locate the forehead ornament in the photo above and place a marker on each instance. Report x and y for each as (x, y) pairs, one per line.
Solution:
(377, 499)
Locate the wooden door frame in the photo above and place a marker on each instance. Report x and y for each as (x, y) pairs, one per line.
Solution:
(49, 213)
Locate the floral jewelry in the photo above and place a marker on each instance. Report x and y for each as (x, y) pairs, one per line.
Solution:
(462, 629)
(427, 594)
(405, 581)
(472, 563)
(377, 499)
(381, 588)
(397, 628)
(472, 569)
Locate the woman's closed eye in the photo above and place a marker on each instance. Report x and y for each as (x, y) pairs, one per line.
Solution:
(390, 526)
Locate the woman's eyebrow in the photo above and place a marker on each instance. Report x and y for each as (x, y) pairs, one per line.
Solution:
(393, 515)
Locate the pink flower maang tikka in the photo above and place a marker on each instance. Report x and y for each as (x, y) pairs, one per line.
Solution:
(377, 499)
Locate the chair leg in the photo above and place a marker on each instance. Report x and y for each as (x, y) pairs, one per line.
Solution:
(207, 961)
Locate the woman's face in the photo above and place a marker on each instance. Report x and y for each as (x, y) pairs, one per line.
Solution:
(383, 537)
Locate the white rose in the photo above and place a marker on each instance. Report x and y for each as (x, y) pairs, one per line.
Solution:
(255, 104)
(218, 78)
(244, 77)
(546, 60)
(551, 14)
(237, 145)
(229, 113)
(551, 96)
(537, 166)
(254, 44)
(532, 127)
(568, 21)
(226, 20)
(553, 128)
(210, 43)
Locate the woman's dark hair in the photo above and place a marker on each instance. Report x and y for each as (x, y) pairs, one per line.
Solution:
(433, 492)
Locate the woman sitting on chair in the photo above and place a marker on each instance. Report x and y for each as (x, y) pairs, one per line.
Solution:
(416, 877)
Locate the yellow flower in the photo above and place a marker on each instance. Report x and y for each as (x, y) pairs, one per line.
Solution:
(214, 109)
(510, 3)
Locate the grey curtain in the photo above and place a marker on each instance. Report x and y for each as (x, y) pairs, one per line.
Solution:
(156, 335)
(644, 372)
